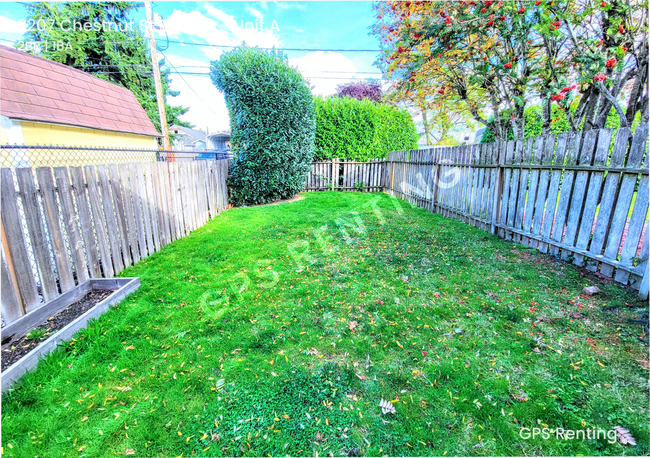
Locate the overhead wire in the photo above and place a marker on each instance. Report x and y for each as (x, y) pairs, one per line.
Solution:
(190, 86)
(211, 45)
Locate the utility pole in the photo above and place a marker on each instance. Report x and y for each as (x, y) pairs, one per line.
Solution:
(156, 77)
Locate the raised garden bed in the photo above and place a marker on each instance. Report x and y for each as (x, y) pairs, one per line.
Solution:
(26, 340)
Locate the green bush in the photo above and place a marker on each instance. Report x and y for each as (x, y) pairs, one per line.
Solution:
(361, 130)
(272, 124)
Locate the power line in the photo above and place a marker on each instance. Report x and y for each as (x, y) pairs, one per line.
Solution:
(178, 72)
(304, 76)
(210, 45)
(189, 73)
(207, 66)
(278, 48)
(191, 88)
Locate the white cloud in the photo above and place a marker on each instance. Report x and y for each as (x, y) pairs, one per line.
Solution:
(207, 105)
(288, 5)
(220, 28)
(333, 64)
(195, 24)
(11, 29)
(258, 14)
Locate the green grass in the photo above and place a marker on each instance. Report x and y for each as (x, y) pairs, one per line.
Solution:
(313, 311)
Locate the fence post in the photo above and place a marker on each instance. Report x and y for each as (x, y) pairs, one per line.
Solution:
(436, 179)
(643, 288)
(335, 174)
(498, 188)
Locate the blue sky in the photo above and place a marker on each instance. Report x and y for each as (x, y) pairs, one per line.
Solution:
(315, 27)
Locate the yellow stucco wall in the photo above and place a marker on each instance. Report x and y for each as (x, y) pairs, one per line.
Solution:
(36, 133)
(53, 134)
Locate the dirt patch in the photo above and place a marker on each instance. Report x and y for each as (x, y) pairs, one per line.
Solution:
(15, 348)
(295, 198)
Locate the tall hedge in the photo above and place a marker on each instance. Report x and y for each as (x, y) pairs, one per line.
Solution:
(361, 130)
(272, 124)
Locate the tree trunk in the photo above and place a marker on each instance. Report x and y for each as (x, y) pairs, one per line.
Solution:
(547, 117)
(519, 122)
(592, 104)
(641, 80)
(427, 128)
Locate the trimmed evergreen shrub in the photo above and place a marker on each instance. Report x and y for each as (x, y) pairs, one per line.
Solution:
(361, 130)
(272, 124)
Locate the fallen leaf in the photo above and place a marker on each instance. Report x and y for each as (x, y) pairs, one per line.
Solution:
(386, 407)
(624, 436)
(122, 388)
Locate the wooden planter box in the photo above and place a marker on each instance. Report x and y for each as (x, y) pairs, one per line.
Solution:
(122, 287)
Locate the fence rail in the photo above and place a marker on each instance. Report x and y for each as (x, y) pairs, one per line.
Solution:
(581, 197)
(346, 176)
(15, 156)
(63, 225)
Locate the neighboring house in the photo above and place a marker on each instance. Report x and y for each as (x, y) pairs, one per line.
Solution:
(188, 139)
(46, 103)
(219, 141)
(468, 137)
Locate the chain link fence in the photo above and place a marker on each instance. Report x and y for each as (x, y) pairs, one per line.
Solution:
(25, 156)
(15, 156)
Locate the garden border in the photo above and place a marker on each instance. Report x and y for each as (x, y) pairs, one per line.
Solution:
(123, 287)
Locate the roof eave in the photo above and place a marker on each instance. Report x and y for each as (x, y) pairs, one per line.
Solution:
(42, 121)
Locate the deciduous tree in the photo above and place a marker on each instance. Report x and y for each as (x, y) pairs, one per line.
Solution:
(498, 56)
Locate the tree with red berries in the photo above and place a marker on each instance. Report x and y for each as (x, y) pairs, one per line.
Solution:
(499, 57)
(600, 59)
(478, 51)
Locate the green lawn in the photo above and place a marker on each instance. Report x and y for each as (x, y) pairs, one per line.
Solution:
(277, 330)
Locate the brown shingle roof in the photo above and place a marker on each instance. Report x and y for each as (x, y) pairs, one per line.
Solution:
(37, 89)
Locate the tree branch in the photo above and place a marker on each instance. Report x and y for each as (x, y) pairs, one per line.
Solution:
(614, 102)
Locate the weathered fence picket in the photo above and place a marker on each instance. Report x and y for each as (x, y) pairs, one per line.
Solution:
(37, 233)
(573, 195)
(346, 176)
(64, 225)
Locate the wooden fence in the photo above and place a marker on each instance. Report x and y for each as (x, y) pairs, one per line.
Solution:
(584, 199)
(61, 226)
(346, 176)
